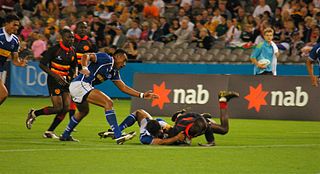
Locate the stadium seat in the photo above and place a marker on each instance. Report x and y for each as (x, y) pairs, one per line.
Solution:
(146, 45)
(158, 45)
(188, 51)
(165, 51)
(195, 58)
(141, 50)
(231, 58)
(171, 58)
(153, 51)
(213, 51)
(170, 45)
(201, 51)
(237, 51)
(283, 58)
(159, 57)
(183, 57)
(146, 57)
(183, 45)
(177, 51)
(208, 58)
(225, 52)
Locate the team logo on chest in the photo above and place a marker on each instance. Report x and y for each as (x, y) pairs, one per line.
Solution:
(59, 58)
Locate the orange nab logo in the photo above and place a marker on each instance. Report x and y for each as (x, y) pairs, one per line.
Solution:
(85, 48)
(256, 97)
(163, 95)
(57, 91)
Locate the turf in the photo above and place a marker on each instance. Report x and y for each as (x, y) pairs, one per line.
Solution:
(251, 146)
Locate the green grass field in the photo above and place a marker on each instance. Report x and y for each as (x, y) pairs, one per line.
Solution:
(251, 146)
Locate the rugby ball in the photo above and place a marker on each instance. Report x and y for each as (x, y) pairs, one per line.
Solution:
(264, 62)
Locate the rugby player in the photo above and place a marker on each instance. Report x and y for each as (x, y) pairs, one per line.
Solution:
(314, 57)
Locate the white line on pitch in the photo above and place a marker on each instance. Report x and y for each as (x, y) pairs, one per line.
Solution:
(123, 147)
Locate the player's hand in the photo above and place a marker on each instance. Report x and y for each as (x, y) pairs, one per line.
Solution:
(150, 95)
(261, 66)
(23, 62)
(314, 81)
(85, 72)
(181, 136)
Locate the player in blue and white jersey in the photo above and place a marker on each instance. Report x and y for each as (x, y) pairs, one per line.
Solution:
(314, 57)
(152, 131)
(9, 47)
(97, 68)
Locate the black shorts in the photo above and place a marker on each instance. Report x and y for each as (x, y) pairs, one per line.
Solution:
(55, 89)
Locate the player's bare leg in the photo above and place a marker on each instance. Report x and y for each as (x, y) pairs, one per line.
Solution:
(3, 91)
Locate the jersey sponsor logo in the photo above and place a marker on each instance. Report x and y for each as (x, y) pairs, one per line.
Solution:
(257, 98)
(86, 48)
(57, 91)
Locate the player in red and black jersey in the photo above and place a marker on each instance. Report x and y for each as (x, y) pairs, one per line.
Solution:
(82, 44)
(60, 63)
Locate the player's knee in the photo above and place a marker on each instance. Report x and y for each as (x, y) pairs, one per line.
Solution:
(224, 131)
(108, 105)
(139, 112)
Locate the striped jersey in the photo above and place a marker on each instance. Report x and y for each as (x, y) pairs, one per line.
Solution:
(8, 45)
(61, 60)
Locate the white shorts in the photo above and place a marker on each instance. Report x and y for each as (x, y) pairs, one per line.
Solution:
(78, 90)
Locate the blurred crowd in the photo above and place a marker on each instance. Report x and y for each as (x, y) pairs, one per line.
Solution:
(205, 23)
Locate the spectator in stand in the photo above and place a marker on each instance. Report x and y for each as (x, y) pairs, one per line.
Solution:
(221, 30)
(145, 32)
(233, 34)
(224, 10)
(297, 44)
(68, 8)
(52, 9)
(160, 5)
(262, 7)
(233, 6)
(247, 35)
(164, 25)
(150, 11)
(39, 46)
(131, 48)
(155, 33)
(184, 34)
(134, 33)
(204, 40)
(119, 39)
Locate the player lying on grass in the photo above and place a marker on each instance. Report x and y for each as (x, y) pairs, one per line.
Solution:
(195, 124)
(152, 131)
(190, 124)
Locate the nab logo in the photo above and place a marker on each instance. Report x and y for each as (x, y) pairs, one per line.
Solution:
(256, 97)
(180, 96)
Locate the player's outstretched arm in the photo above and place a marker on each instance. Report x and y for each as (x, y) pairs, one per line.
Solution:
(132, 92)
(167, 141)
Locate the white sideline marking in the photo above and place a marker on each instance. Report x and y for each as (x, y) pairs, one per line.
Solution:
(124, 147)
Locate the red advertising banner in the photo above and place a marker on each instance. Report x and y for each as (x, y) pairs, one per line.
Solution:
(261, 97)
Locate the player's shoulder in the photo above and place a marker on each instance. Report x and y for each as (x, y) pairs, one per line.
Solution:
(15, 38)
(104, 57)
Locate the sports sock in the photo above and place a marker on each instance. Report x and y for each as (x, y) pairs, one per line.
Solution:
(43, 111)
(112, 120)
(71, 113)
(56, 121)
(129, 121)
(72, 124)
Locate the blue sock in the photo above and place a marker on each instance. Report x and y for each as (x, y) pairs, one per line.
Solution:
(112, 120)
(129, 121)
(72, 124)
